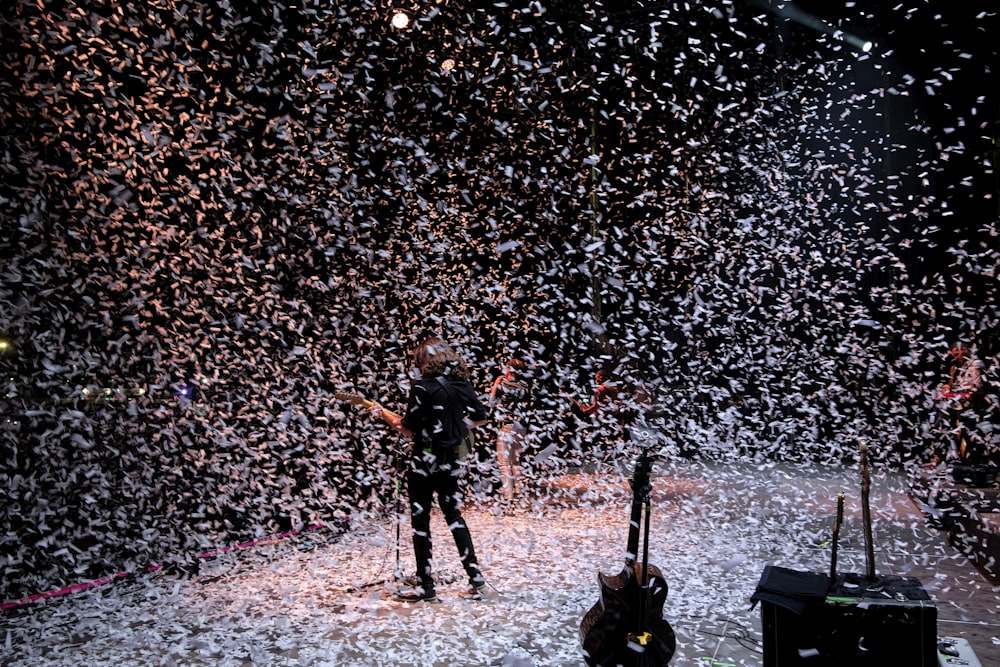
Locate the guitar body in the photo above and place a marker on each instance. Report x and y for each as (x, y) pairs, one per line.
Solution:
(607, 630)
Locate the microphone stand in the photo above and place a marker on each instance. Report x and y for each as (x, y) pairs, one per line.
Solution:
(397, 507)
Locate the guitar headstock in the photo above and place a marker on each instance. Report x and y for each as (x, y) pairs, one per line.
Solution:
(644, 435)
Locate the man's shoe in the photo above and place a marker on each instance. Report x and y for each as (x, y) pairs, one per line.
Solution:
(417, 595)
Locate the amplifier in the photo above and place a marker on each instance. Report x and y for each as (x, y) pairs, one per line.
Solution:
(859, 622)
(974, 475)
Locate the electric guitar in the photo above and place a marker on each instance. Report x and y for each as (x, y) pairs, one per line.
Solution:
(358, 399)
(626, 627)
(467, 446)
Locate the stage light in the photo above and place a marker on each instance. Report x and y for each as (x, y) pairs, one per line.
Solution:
(400, 19)
(790, 11)
(860, 44)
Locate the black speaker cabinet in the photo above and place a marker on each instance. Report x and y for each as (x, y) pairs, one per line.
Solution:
(858, 623)
(981, 476)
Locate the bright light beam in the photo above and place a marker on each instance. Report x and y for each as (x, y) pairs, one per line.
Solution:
(790, 11)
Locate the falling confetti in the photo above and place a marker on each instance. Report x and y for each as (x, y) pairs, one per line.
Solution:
(217, 216)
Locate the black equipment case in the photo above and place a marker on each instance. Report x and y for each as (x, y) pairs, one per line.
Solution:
(854, 621)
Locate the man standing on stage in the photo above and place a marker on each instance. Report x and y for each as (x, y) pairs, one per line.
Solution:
(435, 418)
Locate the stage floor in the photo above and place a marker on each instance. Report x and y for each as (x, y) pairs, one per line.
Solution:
(320, 598)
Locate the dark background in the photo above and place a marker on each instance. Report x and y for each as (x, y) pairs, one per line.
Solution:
(217, 217)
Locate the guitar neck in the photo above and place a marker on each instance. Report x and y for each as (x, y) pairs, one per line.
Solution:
(366, 403)
(866, 513)
(640, 494)
(394, 415)
(836, 536)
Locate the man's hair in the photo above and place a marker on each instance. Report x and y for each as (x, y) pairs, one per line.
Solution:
(424, 334)
(433, 357)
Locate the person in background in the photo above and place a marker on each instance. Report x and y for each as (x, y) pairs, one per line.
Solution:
(615, 406)
(605, 395)
(963, 393)
(442, 405)
(509, 401)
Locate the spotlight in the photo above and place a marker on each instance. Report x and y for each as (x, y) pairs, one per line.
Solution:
(8, 344)
(862, 45)
(790, 11)
(400, 19)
